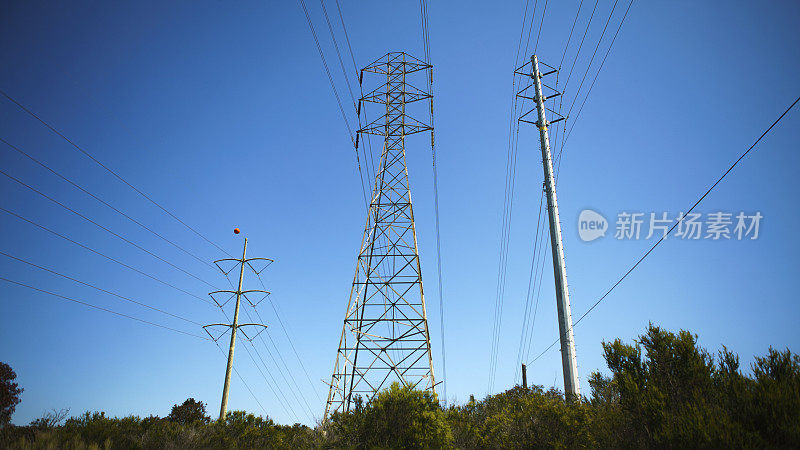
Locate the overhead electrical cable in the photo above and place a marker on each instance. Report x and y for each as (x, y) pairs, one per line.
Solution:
(288, 337)
(99, 288)
(426, 44)
(104, 228)
(545, 245)
(507, 201)
(561, 127)
(269, 372)
(677, 222)
(370, 158)
(591, 60)
(347, 81)
(574, 121)
(580, 46)
(539, 31)
(296, 391)
(64, 297)
(87, 192)
(577, 116)
(247, 386)
(534, 260)
(152, 277)
(285, 403)
(328, 72)
(277, 366)
(335, 94)
(109, 170)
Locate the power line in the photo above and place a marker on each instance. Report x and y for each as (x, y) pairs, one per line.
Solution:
(285, 403)
(562, 126)
(513, 140)
(112, 259)
(101, 308)
(327, 71)
(574, 22)
(98, 288)
(526, 336)
(87, 192)
(338, 53)
(544, 246)
(132, 318)
(270, 354)
(594, 80)
(371, 160)
(346, 36)
(608, 51)
(152, 277)
(591, 60)
(296, 389)
(534, 265)
(127, 317)
(285, 331)
(244, 382)
(539, 32)
(580, 46)
(271, 376)
(349, 88)
(279, 393)
(505, 225)
(569, 74)
(677, 222)
(109, 170)
(103, 228)
(426, 44)
(335, 94)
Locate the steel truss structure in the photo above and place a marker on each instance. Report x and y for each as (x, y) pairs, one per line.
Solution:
(385, 334)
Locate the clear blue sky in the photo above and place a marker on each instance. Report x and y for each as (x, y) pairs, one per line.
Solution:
(222, 112)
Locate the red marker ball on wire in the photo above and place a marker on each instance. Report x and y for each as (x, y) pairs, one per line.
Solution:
(236, 231)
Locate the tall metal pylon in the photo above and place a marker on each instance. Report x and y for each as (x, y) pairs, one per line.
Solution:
(568, 359)
(385, 334)
(222, 297)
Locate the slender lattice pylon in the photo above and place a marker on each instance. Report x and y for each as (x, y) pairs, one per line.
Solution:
(385, 334)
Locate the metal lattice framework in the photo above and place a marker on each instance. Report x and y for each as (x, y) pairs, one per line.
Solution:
(385, 334)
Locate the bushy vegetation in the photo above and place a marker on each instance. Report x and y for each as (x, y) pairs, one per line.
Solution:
(662, 390)
(96, 431)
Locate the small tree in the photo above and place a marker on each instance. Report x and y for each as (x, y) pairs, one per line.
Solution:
(9, 393)
(189, 412)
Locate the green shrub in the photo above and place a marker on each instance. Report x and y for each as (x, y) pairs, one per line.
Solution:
(399, 417)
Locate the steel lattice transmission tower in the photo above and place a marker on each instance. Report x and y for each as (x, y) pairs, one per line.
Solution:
(385, 334)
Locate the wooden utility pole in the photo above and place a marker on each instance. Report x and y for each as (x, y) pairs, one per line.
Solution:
(235, 326)
(524, 377)
(226, 387)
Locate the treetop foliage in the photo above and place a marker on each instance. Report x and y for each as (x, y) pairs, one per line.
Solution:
(9, 393)
(189, 412)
